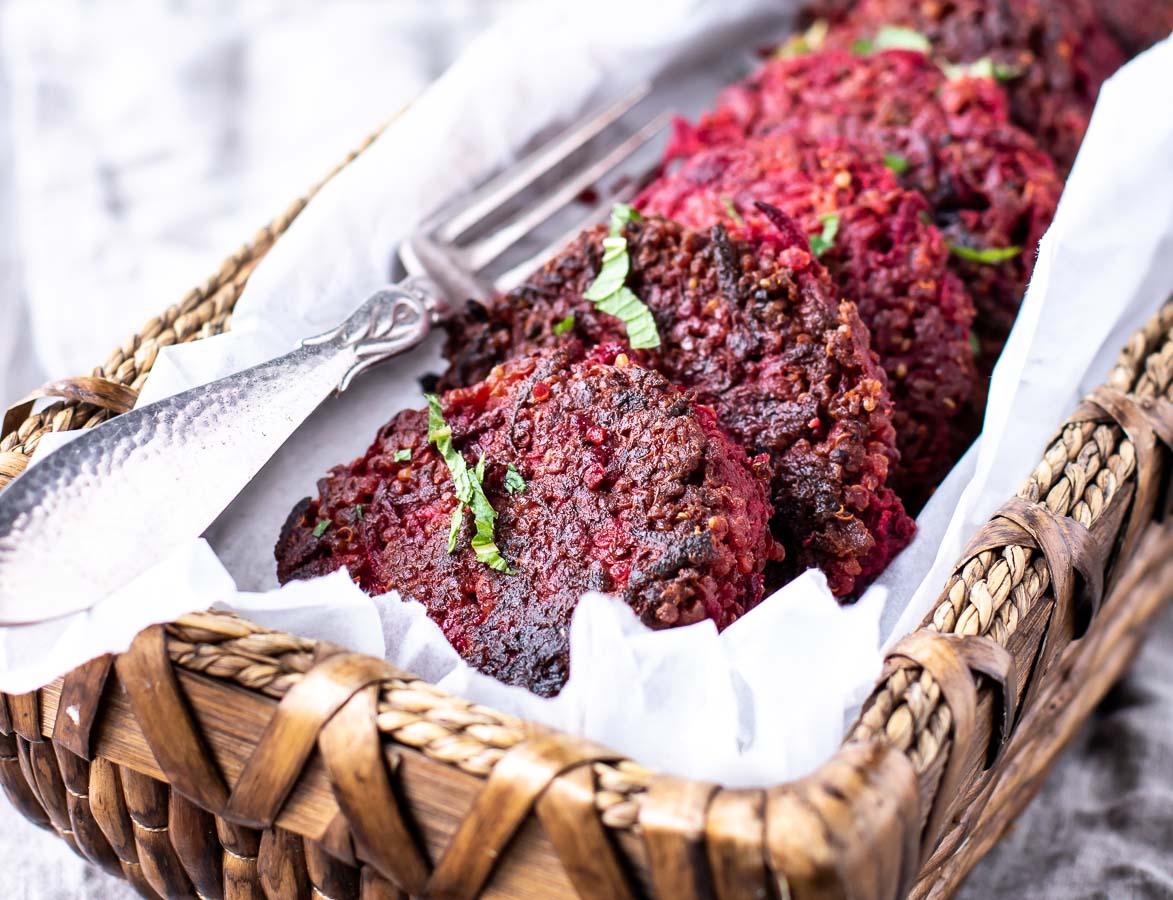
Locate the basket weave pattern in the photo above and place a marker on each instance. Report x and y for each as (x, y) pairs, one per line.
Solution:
(219, 759)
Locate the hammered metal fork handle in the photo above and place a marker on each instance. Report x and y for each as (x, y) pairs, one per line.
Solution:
(102, 509)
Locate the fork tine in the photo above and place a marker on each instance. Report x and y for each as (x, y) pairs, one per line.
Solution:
(421, 255)
(490, 196)
(482, 253)
(508, 280)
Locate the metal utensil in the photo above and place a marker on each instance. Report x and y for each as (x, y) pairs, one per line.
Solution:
(104, 508)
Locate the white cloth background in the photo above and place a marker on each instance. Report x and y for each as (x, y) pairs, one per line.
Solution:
(139, 142)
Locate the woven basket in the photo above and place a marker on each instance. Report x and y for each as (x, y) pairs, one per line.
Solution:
(218, 759)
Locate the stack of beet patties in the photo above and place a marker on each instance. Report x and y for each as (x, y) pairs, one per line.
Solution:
(991, 191)
(760, 368)
(1050, 56)
(755, 330)
(881, 251)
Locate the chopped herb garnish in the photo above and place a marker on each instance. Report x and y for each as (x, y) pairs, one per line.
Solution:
(863, 47)
(975, 344)
(821, 243)
(454, 530)
(896, 163)
(608, 292)
(1008, 71)
(564, 325)
(808, 42)
(484, 516)
(893, 37)
(982, 68)
(616, 265)
(731, 210)
(641, 327)
(358, 513)
(514, 483)
(989, 257)
(321, 528)
(402, 455)
(470, 491)
(621, 214)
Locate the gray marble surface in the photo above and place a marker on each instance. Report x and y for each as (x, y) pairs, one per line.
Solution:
(141, 140)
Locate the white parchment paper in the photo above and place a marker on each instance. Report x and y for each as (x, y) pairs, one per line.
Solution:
(767, 699)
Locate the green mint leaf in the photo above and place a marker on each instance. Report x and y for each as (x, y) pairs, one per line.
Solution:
(821, 243)
(514, 483)
(809, 41)
(896, 163)
(621, 214)
(988, 257)
(1008, 71)
(470, 491)
(980, 68)
(402, 455)
(321, 528)
(893, 37)
(437, 427)
(488, 553)
(565, 325)
(641, 326)
(484, 516)
(454, 528)
(608, 292)
(984, 68)
(642, 333)
(732, 212)
(616, 265)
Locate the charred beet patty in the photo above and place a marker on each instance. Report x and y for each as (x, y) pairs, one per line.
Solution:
(881, 252)
(1050, 55)
(992, 192)
(756, 331)
(603, 476)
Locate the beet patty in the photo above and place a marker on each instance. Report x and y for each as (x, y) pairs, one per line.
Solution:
(880, 251)
(991, 190)
(1052, 56)
(603, 477)
(755, 330)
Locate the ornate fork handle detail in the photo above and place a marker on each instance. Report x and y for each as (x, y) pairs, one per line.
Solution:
(392, 321)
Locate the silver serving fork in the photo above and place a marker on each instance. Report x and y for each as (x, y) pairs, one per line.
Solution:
(104, 508)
